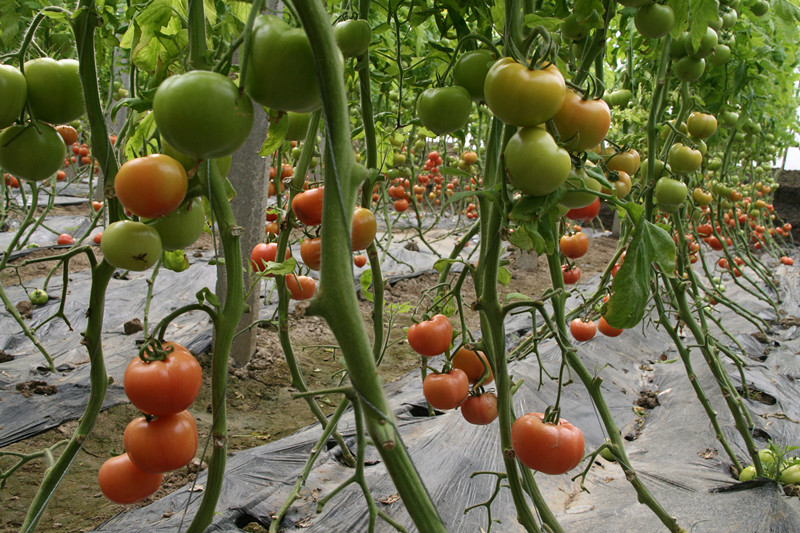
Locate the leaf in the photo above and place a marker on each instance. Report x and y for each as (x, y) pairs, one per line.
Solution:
(453, 171)
(702, 12)
(681, 10)
(279, 269)
(366, 283)
(175, 261)
(550, 23)
(276, 134)
(503, 276)
(631, 286)
(440, 264)
(205, 295)
(516, 296)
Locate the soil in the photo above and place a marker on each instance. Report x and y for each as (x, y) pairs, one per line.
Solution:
(260, 403)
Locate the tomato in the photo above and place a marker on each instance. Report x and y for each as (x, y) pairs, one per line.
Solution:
(759, 8)
(480, 410)
(98, 237)
(360, 260)
(622, 184)
(720, 55)
(791, 475)
(690, 68)
(620, 98)
(585, 214)
(575, 245)
(123, 482)
(706, 45)
(352, 37)
(65, 238)
(400, 205)
(131, 245)
(279, 48)
(747, 473)
(55, 93)
(472, 363)
(582, 124)
(582, 331)
(311, 252)
(444, 109)
(446, 391)
(701, 197)
(151, 186)
(683, 159)
(535, 163)
(470, 71)
(264, 253)
(301, 287)
(523, 97)
(38, 297)
(701, 125)
(307, 206)
(628, 162)
(162, 444)
(548, 448)
(654, 20)
(68, 133)
(181, 227)
(33, 152)
(571, 275)
(164, 387)
(579, 179)
(364, 228)
(431, 337)
(670, 194)
(298, 126)
(14, 90)
(202, 114)
(787, 260)
(607, 329)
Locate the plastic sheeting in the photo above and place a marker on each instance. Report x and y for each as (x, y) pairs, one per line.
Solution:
(672, 447)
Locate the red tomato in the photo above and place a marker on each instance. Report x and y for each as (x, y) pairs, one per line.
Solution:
(97, 237)
(714, 243)
(162, 444)
(582, 331)
(164, 387)
(151, 186)
(472, 363)
(431, 337)
(61, 175)
(446, 391)
(575, 245)
(787, 260)
(548, 448)
(311, 252)
(307, 206)
(360, 260)
(301, 287)
(585, 214)
(65, 238)
(400, 205)
(480, 410)
(286, 171)
(606, 328)
(123, 482)
(262, 254)
(571, 275)
(97, 206)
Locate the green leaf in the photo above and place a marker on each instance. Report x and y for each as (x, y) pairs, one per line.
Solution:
(440, 264)
(631, 286)
(681, 10)
(175, 261)
(550, 23)
(453, 171)
(366, 283)
(276, 134)
(205, 295)
(634, 210)
(503, 276)
(702, 12)
(280, 269)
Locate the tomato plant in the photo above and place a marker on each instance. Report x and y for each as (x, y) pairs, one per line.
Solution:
(163, 443)
(164, 387)
(546, 447)
(446, 391)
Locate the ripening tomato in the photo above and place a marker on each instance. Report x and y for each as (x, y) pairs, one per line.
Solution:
(151, 186)
(400, 205)
(575, 245)
(307, 206)
(164, 387)
(311, 252)
(480, 410)
(582, 124)
(446, 391)
(97, 237)
(585, 214)
(787, 260)
(629, 161)
(123, 482)
(163, 443)
(68, 133)
(701, 125)
(431, 337)
(264, 253)
(360, 260)
(521, 96)
(364, 228)
(472, 363)
(582, 331)
(607, 329)
(131, 245)
(65, 238)
(683, 159)
(301, 287)
(548, 448)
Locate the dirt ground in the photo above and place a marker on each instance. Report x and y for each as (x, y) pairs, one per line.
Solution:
(260, 403)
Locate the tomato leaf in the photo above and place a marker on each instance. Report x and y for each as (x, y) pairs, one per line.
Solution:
(453, 171)
(634, 210)
(550, 23)
(681, 10)
(175, 261)
(366, 283)
(276, 134)
(281, 269)
(440, 264)
(701, 14)
(205, 295)
(503, 276)
(631, 286)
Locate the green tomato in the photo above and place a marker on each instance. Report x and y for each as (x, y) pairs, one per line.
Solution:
(654, 20)
(767, 457)
(729, 119)
(670, 194)
(523, 97)
(578, 178)
(131, 245)
(470, 71)
(759, 8)
(181, 227)
(536, 164)
(55, 93)
(720, 55)
(660, 169)
(747, 473)
(791, 475)
(32, 152)
(572, 29)
(14, 90)
(39, 297)
(352, 37)
(444, 109)
(202, 114)
(619, 98)
(298, 126)
(683, 159)
(690, 68)
(729, 18)
(703, 48)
